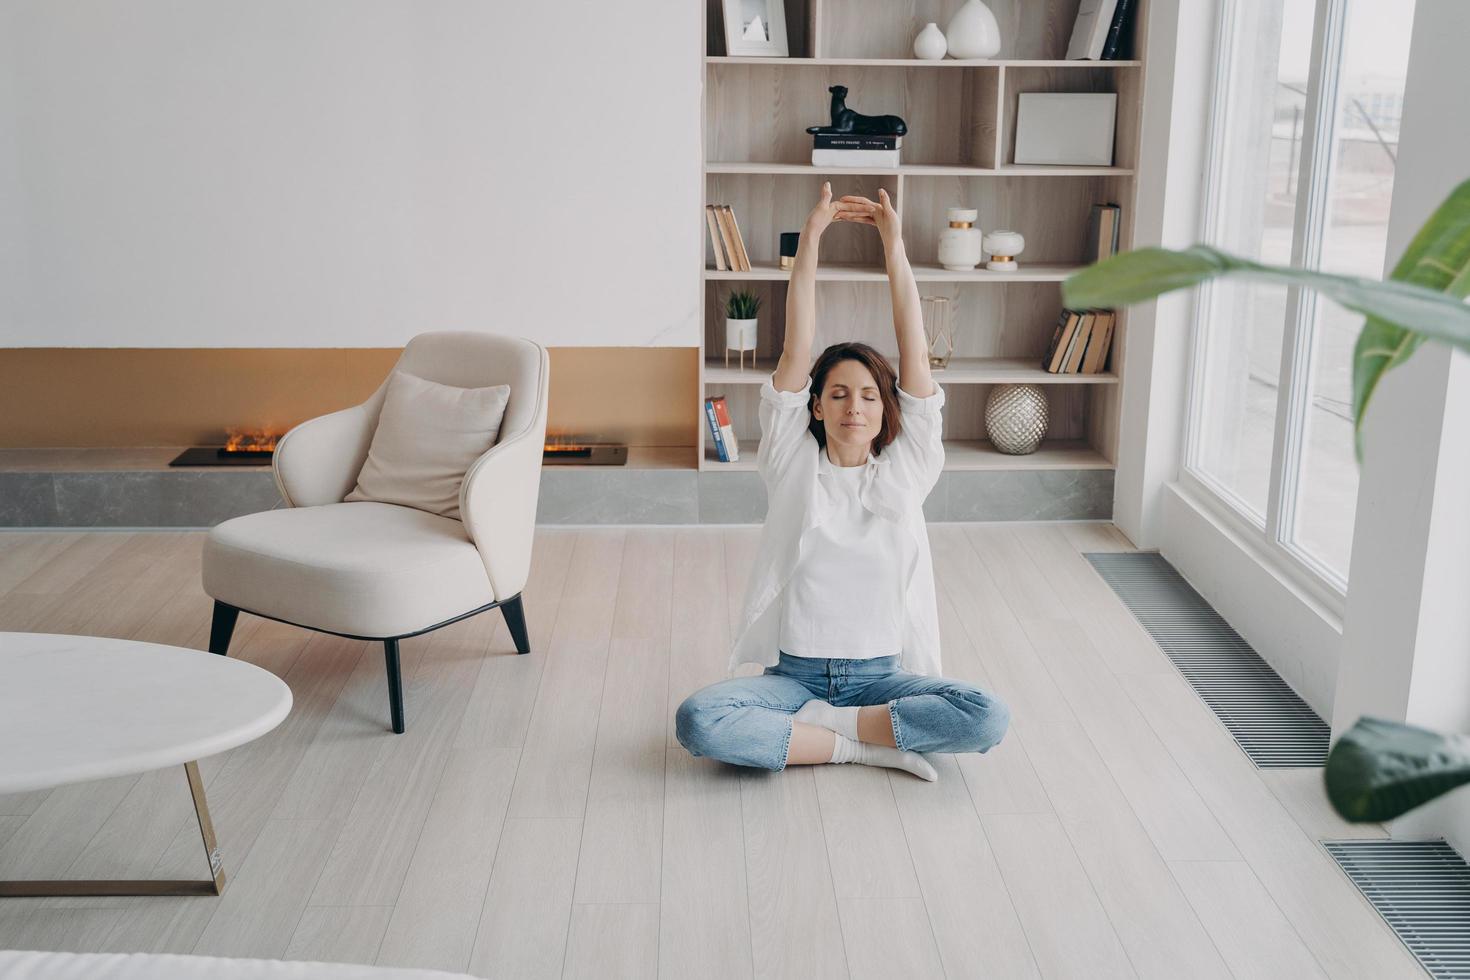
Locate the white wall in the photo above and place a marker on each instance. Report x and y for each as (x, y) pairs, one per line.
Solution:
(1173, 156)
(347, 173)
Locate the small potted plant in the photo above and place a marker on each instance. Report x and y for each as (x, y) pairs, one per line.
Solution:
(741, 309)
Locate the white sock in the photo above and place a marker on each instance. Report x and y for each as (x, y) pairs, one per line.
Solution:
(817, 712)
(849, 750)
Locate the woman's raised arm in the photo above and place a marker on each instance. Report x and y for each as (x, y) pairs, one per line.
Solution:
(908, 316)
(801, 296)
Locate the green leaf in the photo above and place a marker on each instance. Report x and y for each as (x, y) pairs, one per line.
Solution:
(1133, 277)
(1439, 259)
(1380, 769)
(1421, 300)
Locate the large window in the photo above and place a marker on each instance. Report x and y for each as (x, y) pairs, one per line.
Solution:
(1304, 134)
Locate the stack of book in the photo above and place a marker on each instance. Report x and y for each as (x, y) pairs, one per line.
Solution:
(855, 150)
(1102, 232)
(721, 431)
(1101, 29)
(724, 235)
(1080, 343)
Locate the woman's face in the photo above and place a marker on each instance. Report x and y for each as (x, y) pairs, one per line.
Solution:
(850, 407)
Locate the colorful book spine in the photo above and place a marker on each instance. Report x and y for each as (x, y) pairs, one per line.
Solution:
(727, 430)
(714, 430)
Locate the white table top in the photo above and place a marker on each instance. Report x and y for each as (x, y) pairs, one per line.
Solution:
(74, 708)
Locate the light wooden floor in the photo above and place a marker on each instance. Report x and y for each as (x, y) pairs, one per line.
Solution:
(538, 819)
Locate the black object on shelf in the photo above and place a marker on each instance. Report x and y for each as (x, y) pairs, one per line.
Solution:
(845, 120)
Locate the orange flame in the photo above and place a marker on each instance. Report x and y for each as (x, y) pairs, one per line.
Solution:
(250, 440)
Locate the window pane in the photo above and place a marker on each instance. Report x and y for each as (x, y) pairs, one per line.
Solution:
(1375, 58)
(1256, 175)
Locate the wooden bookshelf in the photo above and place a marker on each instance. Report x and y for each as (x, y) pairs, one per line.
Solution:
(958, 152)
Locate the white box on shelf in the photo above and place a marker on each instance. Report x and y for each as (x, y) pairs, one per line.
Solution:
(1066, 127)
(855, 158)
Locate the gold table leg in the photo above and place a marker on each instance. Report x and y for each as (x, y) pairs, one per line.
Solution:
(75, 888)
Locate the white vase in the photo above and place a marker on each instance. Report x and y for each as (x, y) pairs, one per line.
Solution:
(959, 243)
(973, 32)
(930, 45)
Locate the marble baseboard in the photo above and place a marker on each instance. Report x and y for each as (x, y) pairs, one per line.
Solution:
(203, 498)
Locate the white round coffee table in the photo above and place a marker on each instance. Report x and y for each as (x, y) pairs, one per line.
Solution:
(74, 708)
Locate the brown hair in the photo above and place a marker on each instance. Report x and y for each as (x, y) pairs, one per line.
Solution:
(882, 373)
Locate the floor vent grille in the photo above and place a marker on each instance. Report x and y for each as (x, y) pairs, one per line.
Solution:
(1422, 890)
(1271, 724)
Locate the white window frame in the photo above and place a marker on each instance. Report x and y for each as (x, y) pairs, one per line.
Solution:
(1271, 536)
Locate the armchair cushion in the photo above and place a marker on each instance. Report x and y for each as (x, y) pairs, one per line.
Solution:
(428, 436)
(363, 569)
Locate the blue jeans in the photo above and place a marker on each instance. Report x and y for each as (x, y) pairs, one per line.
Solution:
(747, 720)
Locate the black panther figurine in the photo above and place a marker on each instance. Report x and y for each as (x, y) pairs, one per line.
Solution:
(845, 120)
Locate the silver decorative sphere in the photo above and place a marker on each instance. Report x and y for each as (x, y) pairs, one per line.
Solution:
(1016, 418)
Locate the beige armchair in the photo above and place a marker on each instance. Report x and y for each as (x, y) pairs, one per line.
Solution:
(375, 571)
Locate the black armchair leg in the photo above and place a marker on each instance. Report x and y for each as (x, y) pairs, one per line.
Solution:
(395, 685)
(222, 627)
(515, 619)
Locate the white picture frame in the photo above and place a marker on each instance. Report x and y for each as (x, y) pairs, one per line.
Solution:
(1065, 128)
(746, 38)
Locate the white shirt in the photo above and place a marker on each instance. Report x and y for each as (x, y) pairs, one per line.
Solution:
(845, 597)
(892, 486)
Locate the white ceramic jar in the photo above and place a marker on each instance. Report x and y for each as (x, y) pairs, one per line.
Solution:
(930, 45)
(1003, 247)
(959, 244)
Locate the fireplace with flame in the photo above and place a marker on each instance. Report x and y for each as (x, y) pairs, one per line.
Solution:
(243, 447)
(563, 449)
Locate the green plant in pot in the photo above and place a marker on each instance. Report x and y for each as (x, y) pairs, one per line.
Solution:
(741, 320)
(1378, 769)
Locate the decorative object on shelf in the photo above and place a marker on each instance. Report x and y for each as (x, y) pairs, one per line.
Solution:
(1016, 418)
(740, 325)
(960, 244)
(939, 329)
(973, 32)
(1103, 223)
(1003, 247)
(1066, 127)
(845, 120)
(855, 140)
(930, 45)
(755, 28)
(790, 242)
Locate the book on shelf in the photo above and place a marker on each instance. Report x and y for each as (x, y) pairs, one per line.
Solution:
(1090, 29)
(1056, 351)
(717, 246)
(739, 241)
(1114, 43)
(855, 141)
(729, 247)
(1103, 223)
(1078, 343)
(854, 158)
(1096, 357)
(727, 447)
